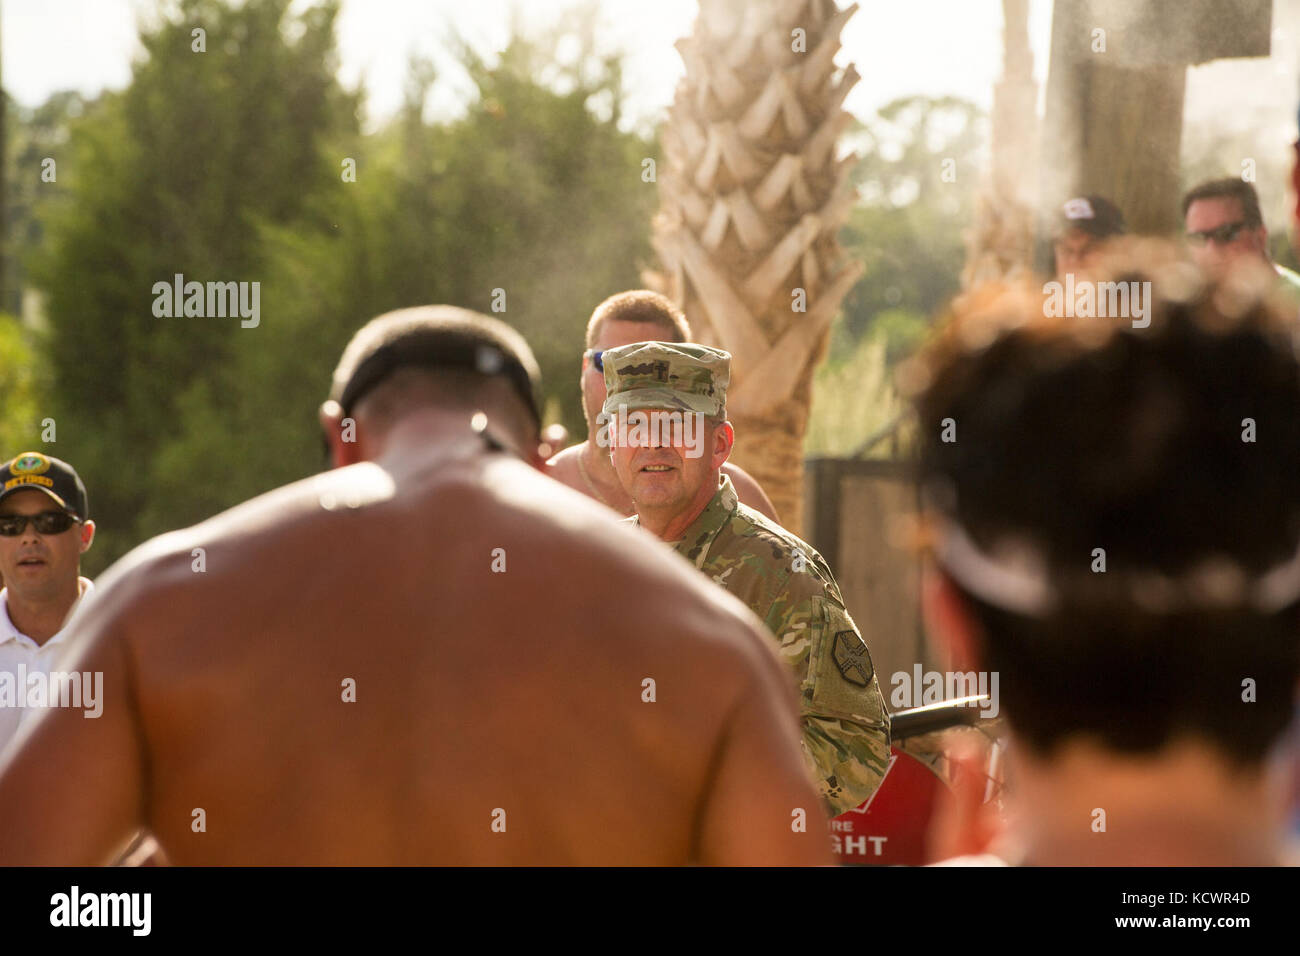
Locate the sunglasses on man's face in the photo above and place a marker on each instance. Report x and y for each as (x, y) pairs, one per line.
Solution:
(594, 355)
(1222, 235)
(47, 522)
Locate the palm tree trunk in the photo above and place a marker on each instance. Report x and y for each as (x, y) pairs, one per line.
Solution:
(1000, 243)
(752, 197)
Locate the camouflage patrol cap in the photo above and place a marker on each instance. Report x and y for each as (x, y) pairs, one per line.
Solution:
(679, 376)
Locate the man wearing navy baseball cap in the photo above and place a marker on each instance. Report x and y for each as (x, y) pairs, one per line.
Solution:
(44, 530)
(1084, 225)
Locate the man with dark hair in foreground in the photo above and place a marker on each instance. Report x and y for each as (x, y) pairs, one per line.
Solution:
(356, 672)
(1114, 518)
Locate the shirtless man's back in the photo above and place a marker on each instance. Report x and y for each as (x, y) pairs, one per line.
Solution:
(480, 732)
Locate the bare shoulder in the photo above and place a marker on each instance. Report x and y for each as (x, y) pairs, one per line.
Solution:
(567, 458)
(195, 559)
(749, 491)
(563, 465)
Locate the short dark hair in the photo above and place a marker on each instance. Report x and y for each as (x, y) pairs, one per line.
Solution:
(641, 305)
(1077, 434)
(1230, 187)
(435, 338)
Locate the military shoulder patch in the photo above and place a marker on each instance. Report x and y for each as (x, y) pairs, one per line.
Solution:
(852, 658)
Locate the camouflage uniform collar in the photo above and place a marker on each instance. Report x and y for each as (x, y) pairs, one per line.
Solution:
(694, 544)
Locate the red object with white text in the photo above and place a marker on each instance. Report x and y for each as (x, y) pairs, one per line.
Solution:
(890, 826)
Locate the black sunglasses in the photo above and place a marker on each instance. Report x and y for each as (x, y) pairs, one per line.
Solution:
(47, 522)
(594, 355)
(1221, 234)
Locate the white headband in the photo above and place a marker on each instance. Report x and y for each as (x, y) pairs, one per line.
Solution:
(1017, 580)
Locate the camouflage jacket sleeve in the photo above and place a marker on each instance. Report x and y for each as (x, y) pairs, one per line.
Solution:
(845, 723)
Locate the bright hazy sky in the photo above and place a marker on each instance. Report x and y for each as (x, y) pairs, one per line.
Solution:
(923, 46)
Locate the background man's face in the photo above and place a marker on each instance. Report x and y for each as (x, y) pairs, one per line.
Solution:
(611, 336)
(661, 475)
(38, 566)
(1213, 256)
(1076, 251)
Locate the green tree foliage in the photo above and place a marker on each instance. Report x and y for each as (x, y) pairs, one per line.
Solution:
(857, 397)
(908, 226)
(31, 137)
(229, 166)
(529, 192)
(19, 390)
(908, 229)
(177, 174)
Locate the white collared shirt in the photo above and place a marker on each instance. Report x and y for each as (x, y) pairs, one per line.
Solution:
(16, 648)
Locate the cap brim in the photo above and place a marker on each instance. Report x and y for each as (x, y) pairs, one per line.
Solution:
(664, 399)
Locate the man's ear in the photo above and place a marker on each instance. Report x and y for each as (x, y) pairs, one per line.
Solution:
(949, 620)
(1261, 239)
(535, 453)
(340, 434)
(724, 439)
(87, 535)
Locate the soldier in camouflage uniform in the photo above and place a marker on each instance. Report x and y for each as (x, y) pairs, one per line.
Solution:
(784, 581)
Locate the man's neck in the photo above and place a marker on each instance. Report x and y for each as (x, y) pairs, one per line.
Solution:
(42, 618)
(419, 434)
(671, 526)
(1183, 807)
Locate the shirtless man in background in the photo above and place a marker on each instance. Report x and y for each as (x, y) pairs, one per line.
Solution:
(351, 669)
(637, 316)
